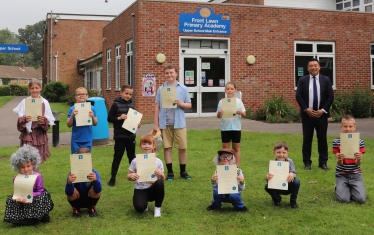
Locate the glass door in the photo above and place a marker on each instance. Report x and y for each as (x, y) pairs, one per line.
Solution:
(205, 77)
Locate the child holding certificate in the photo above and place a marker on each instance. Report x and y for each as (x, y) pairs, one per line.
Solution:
(227, 157)
(18, 210)
(84, 194)
(34, 133)
(145, 192)
(171, 100)
(349, 182)
(123, 139)
(81, 136)
(231, 122)
(281, 154)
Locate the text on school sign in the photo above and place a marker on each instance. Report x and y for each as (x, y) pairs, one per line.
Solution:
(204, 21)
(14, 48)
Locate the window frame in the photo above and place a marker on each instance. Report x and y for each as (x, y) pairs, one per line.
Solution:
(108, 69)
(118, 67)
(129, 61)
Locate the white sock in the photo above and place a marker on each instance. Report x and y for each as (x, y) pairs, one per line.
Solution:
(157, 211)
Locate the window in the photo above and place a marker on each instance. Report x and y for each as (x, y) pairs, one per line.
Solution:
(372, 64)
(129, 61)
(108, 68)
(354, 5)
(323, 51)
(204, 43)
(118, 67)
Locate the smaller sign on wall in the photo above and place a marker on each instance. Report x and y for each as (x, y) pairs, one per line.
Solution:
(149, 85)
(222, 82)
(189, 77)
(203, 77)
(210, 82)
(205, 65)
(300, 71)
(192, 95)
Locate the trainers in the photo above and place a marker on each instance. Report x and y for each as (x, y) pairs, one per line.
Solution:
(277, 202)
(185, 175)
(211, 208)
(170, 176)
(243, 209)
(45, 219)
(111, 182)
(92, 212)
(76, 213)
(294, 205)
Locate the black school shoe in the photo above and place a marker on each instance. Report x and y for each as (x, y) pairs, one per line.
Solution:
(45, 219)
(211, 208)
(92, 212)
(112, 182)
(293, 205)
(243, 209)
(76, 213)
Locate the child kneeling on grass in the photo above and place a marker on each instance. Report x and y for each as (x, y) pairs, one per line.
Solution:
(84, 194)
(145, 192)
(226, 157)
(281, 154)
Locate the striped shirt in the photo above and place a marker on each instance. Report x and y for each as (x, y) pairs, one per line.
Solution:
(349, 164)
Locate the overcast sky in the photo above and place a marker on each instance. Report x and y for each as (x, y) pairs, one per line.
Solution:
(15, 14)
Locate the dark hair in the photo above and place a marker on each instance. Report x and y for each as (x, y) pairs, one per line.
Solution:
(171, 66)
(83, 150)
(231, 83)
(313, 59)
(280, 145)
(148, 138)
(124, 87)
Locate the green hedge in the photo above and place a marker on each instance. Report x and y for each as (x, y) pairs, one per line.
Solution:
(14, 90)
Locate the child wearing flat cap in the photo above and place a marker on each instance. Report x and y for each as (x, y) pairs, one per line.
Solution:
(226, 157)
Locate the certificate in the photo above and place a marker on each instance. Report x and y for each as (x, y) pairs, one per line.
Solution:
(168, 97)
(227, 179)
(145, 167)
(229, 107)
(81, 166)
(349, 144)
(23, 187)
(33, 108)
(280, 170)
(132, 121)
(83, 117)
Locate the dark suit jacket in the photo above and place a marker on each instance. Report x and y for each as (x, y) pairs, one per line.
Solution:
(326, 95)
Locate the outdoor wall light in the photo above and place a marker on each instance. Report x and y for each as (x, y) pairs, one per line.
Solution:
(251, 59)
(160, 58)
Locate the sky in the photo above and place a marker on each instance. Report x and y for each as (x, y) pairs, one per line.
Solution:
(15, 14)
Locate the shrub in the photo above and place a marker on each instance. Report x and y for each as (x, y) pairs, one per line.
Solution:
(277, 110)
(54, 91)
(94, 93)
(19, 90)
(4, 90)
(6, 81)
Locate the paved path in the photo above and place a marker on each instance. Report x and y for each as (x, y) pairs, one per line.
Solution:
(9, 134)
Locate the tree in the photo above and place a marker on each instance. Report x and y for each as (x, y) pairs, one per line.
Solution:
(8, 37)
(32, 35)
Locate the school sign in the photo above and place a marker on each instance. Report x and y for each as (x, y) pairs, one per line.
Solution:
(14, 48)
(204, 21)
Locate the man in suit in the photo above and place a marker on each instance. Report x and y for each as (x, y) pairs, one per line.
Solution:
(314, 95)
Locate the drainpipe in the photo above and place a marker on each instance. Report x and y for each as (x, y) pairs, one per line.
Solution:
(133, 53)
(50, 52)
(56, 56)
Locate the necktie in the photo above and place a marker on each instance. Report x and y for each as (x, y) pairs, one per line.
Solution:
(315, 95)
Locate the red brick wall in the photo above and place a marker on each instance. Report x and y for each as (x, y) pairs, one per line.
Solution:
(79, 39)
(268, 33)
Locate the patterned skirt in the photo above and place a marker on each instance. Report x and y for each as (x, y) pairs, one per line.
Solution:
(30, 213)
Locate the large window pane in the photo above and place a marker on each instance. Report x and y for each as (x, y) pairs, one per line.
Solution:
(324, 48)
(209, 101)
(372, 49)
(304, 47)
(215, 75)
(301, 67)
(356, 3)
(193, 96)
(190, 67)
(368, 8)
(372, 71)
(368, 1)
(327, 67)
(339, 6)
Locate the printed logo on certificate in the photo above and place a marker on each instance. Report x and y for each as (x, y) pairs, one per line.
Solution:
(33, 108)
(132, 121)
(23, 187)
(81, 166)
(227, 179)
(83, 117)
(168, 97)
(145, 167)
(349, 144)
(280, 170)
(229, 107)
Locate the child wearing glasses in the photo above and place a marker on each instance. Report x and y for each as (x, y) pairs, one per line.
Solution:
(81, 136)
(227, 157)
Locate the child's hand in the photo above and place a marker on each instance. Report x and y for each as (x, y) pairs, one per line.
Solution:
(122, 117)
(41, 119)
(28, 118)
(20, 200)
(160, 174)
(220, 113)
(214, 177)
(75, 112)
(139, 124)
(240, 178)
(269, 176)
(91, 114)
(340, 156)
(358, 156)
(92, 176)
(177, 102)
(71, 178)
(133, 176)
(290, 177)
(239, 112)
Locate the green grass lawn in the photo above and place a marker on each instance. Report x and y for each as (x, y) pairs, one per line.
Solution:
(183, 210)
(5, 99)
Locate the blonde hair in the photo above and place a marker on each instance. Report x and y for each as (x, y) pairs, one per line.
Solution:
(35, 81)
(80, 88)
(349, 118)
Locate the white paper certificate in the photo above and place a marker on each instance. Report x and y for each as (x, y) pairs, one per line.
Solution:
(23, 187)
(83, 117)
(349, 144)
(227, 179)
(33, 108)
(145, 167)
(81, 166)
(168, 97)
(229, 107)
(280, 170)
(132, 121)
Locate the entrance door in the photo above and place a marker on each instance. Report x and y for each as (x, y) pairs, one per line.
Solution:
(205, 77)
